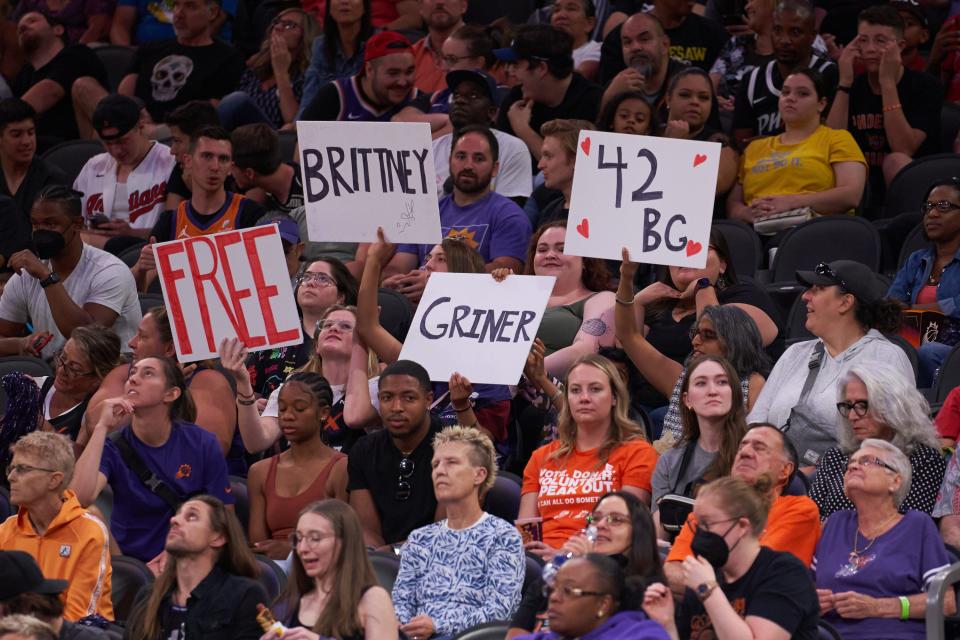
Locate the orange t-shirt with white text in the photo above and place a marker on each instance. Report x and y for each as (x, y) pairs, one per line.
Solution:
(568, 487)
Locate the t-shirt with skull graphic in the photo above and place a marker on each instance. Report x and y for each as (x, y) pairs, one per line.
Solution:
(170, 74)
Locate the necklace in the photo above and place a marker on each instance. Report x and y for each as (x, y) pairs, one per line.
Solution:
(935, 279)
(856, 553)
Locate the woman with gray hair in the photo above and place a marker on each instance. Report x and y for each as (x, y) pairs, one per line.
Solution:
(876, 402)
(873, 564)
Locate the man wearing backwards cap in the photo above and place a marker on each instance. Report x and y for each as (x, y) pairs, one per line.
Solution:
(381, 90)
(916, 32)
(123, 189)
(473, 100)
(845, 308)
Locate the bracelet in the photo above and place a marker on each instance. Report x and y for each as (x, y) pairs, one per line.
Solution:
(892, 107)
(557, 397)
(246, 396)
(246, 403)
(904, 608)
(458, 410)
(626, 303)
(844, 88)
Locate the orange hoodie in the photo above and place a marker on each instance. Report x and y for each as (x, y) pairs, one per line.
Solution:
(76, 548)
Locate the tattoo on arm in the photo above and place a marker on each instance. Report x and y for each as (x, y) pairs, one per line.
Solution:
(594, 327)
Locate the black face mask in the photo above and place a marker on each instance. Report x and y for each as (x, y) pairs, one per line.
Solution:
(47, 244)
(711, 546)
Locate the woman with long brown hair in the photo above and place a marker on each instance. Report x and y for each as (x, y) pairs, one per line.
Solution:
(271, 87)
(332, 590)
(712, 415)
(598, 449)
(208, 587)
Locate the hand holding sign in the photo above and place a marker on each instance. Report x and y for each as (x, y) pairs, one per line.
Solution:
(656, 191)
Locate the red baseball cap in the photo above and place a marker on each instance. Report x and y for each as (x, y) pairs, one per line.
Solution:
(386, 43)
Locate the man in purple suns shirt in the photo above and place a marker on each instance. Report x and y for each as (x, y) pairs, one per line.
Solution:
(488, 222)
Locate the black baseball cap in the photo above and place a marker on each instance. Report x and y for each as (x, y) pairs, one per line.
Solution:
(853, 277)
(913, 8)
(116, 112)
(454, 78)
(21, 574)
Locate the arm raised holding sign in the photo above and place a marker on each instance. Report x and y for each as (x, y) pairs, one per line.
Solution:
(257, 432)
(368, 313)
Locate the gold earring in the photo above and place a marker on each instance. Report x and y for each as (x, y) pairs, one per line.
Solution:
(600, 614)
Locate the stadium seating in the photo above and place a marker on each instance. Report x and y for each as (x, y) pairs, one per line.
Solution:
(70, 156)
(129, 576)
(744, 244)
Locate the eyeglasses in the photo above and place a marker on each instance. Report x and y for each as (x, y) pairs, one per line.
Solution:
(342, 325)
(694, 525)
(70, 369)
(943, 206)
(610, 519)
(859, 407)
(320, 279)
(575, 592)
(452, 59)
(705, 334)
(284, 25)
(866, 462)
(312, 539)
(404, 488)
(823, 269)
(23, 469)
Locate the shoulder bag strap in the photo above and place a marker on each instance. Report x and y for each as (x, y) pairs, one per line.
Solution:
(136, 464)
(816, 362)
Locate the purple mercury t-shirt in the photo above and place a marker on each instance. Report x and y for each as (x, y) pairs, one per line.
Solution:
(495, 226)
(900, 562)
(190, 462)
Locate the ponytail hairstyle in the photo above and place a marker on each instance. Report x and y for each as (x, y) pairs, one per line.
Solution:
(741, 500)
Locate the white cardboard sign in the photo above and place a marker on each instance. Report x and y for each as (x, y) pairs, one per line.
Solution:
(472, 324)
(652, 195)
(226, 285)
(358, 176)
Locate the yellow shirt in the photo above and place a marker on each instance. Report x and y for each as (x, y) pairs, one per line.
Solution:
(771, 168)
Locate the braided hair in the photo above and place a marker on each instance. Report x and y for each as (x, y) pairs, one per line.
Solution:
(22, 413)
(66, 198)
(315, 384)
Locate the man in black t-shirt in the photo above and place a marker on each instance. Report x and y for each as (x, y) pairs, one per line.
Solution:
(390, 482)
(46, 80)
(541, 58)
(640, 61)
(184, 122)
(28, 172)
(168, 73)
(757, 106)
(892, 112)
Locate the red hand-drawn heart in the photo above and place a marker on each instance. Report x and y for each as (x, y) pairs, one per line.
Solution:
(585, 145)
(584, 227)
(699, 159)
(693, 248)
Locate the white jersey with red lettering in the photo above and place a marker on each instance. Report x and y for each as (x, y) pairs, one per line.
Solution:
(146, 187)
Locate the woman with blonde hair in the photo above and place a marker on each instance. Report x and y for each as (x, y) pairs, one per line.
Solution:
(271, 87)
(875, 401)
(598, 449)
(332, 589)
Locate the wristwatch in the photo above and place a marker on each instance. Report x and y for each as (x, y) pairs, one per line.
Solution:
(703, 283)
(53, 278)
(705, 589)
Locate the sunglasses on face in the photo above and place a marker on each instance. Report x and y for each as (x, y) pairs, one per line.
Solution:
(404, 471)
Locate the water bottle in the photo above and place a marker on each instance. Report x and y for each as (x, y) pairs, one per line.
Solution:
(550, 570)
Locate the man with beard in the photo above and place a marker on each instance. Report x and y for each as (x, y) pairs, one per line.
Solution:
(66, 283)
(168, 73)
(488, 222)
(473, 96)
(380, 91)
(46, 80)
(644, 48)
(794, 521)
(442, 18)
(756, 110)
(390, 481)
(210, 591)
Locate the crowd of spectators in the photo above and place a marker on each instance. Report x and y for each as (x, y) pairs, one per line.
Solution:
(677, 459)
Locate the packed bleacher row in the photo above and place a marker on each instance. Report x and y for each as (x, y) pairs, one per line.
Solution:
(762, 448)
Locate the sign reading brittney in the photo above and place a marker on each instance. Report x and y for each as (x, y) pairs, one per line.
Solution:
(225, 285)
(652, 195)
(358, 176)
(472, 324)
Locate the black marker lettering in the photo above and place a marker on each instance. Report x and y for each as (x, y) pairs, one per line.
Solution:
(460, 312)
(353, 169)
(526, 317)
(477, 317)
(423, 321)
(383, 170)
(505, 323)
(619, 165)
(641, 194)
(406, 172)
(363, 153)
(393, 168)
(422, 159)
(335, 176)
(312, 172)
(682, 243)
(651, 239)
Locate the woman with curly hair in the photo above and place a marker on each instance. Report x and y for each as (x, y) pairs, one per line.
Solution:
(598, 449)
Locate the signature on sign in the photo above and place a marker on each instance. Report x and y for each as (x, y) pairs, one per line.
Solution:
(406, 218)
